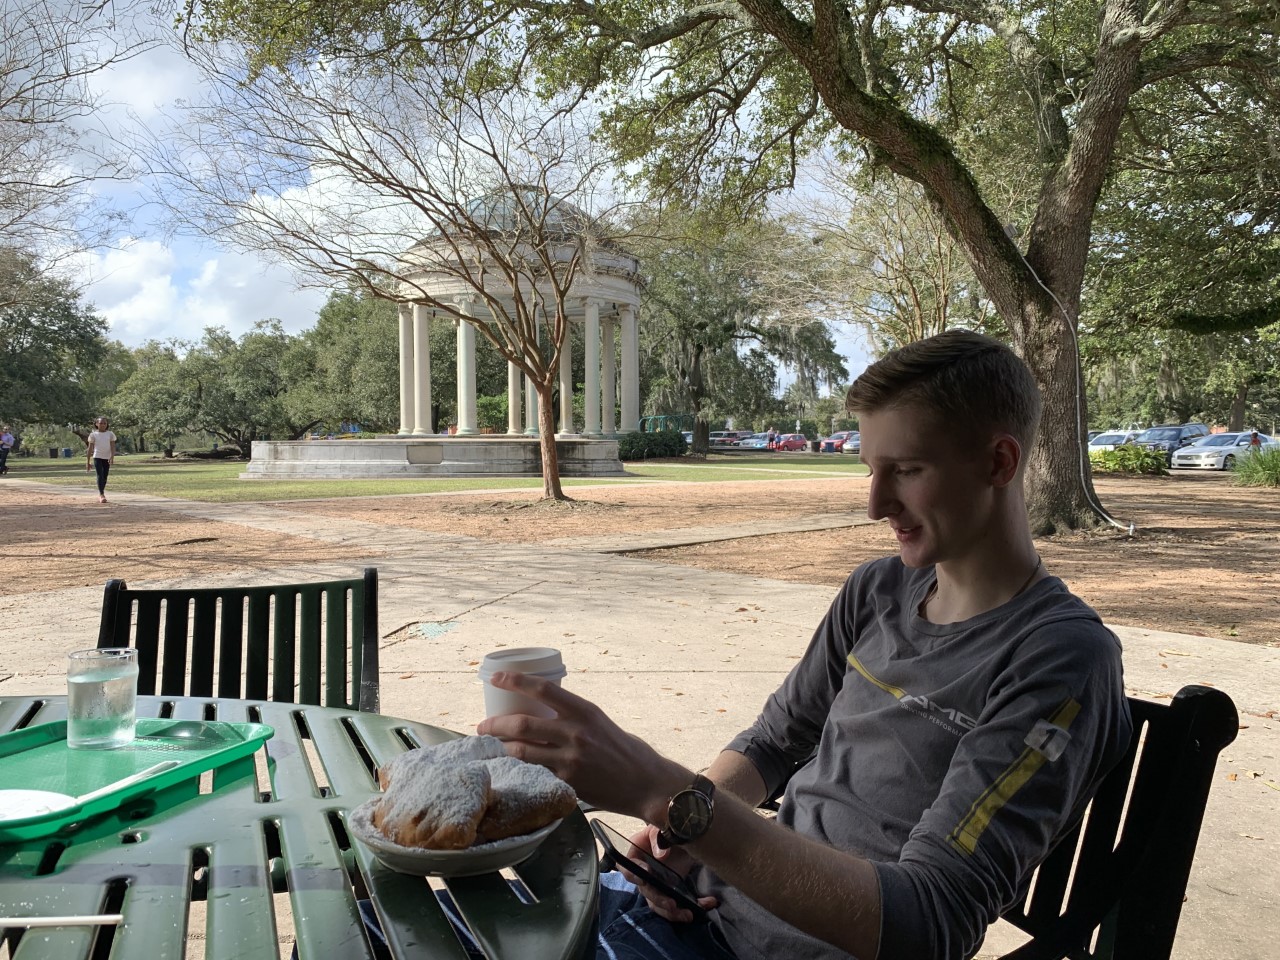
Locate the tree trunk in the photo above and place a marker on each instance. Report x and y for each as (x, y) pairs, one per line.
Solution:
(551, 489)
(1059, 482)
(1237, 407)
(697, 391)
(701, 434)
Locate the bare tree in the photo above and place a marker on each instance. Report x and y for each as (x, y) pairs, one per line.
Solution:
(409, 187)
(878, 256)
(51, 152)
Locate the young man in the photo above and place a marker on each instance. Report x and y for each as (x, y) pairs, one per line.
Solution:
(951, 718)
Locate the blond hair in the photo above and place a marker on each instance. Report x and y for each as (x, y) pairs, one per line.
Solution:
(962, 378)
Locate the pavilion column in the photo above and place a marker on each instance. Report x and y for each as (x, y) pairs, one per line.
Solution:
(406, 370)
(608, 386)
(531, 392)
(513, 399)
(530, 408)
(591, 387)
(566, 385)
(421, 370)
(466, 371)
(630, 369)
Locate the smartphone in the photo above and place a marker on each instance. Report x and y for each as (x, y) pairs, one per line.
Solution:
(620, 852)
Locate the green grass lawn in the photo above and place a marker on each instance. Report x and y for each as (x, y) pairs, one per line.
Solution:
(217, 481)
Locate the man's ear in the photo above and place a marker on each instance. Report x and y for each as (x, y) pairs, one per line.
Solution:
(1006, 457)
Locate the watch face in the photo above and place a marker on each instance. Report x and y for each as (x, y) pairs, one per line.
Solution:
(689, 815)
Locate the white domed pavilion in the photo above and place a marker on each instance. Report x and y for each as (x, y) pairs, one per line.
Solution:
(603, 297)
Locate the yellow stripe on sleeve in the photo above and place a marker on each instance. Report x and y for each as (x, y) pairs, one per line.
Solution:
(969, 830)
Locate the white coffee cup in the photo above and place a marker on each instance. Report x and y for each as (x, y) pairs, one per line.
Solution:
(544, 662)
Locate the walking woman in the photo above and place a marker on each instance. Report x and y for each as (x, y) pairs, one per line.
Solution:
(101, 454)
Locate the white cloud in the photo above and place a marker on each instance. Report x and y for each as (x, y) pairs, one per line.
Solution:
(147, 290)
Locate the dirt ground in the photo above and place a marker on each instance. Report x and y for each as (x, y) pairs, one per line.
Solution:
(1205, 559)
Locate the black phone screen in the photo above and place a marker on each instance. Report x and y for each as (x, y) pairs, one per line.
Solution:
(646, 867)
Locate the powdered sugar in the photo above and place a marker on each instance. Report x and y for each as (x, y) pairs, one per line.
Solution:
(435, 805)
(440, 796)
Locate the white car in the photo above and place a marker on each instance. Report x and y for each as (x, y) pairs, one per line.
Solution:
(1111, 439)
(1218, 451)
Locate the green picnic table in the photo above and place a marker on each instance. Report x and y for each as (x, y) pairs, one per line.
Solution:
(264, 834)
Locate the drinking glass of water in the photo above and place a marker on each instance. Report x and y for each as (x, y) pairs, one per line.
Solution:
(102, 697)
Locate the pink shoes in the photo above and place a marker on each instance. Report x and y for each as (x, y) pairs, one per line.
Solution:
(102, 499)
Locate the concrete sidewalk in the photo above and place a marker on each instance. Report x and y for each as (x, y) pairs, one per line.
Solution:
(684, 658)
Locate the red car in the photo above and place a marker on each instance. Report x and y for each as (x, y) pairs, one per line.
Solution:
(791, 441)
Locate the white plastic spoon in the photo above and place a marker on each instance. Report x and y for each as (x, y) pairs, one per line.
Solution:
(20, 804)
(89, 920)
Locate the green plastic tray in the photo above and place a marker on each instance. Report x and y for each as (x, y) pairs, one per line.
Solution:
(38, 758)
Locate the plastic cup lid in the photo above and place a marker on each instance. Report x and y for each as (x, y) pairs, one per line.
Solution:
(540, 661)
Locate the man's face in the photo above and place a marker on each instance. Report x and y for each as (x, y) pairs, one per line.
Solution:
(933, 487)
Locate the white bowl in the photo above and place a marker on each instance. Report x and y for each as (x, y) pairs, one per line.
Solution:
(482, 858)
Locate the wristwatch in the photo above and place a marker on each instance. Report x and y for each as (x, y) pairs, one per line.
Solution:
(689, 813)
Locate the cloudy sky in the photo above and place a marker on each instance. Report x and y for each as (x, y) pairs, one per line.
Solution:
(149, 285)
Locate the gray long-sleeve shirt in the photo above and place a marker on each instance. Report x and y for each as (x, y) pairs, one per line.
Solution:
(951, 756)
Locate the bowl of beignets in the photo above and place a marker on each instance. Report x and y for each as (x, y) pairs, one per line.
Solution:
(460, 808)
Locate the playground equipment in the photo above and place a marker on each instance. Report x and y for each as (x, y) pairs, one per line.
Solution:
(667, 421)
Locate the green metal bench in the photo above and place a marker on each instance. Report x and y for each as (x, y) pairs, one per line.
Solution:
(296, 643)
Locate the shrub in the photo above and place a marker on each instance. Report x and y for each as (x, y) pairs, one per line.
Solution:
(1127, 458)
(1260, 469)
(647, 446)
(491, 413)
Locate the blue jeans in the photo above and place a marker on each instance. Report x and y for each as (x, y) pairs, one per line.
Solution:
(629, 930)
(626, 929)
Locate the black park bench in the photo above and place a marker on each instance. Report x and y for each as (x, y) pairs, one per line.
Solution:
(1113, 886)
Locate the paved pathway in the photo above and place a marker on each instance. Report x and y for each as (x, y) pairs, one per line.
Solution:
(684, 657)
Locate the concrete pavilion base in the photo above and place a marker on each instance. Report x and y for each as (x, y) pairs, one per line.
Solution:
(401, 457)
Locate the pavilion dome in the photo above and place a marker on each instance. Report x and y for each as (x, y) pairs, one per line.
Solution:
(523, 207)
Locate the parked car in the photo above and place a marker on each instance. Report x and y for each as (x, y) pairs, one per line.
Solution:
(1170, 437)
(835, 442)
(1218, 451)
(791, 441)
(1112, 439)
(853, 444)
(722, 438)
(757, 441)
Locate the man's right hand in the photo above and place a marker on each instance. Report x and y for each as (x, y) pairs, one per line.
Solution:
(678, 860)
